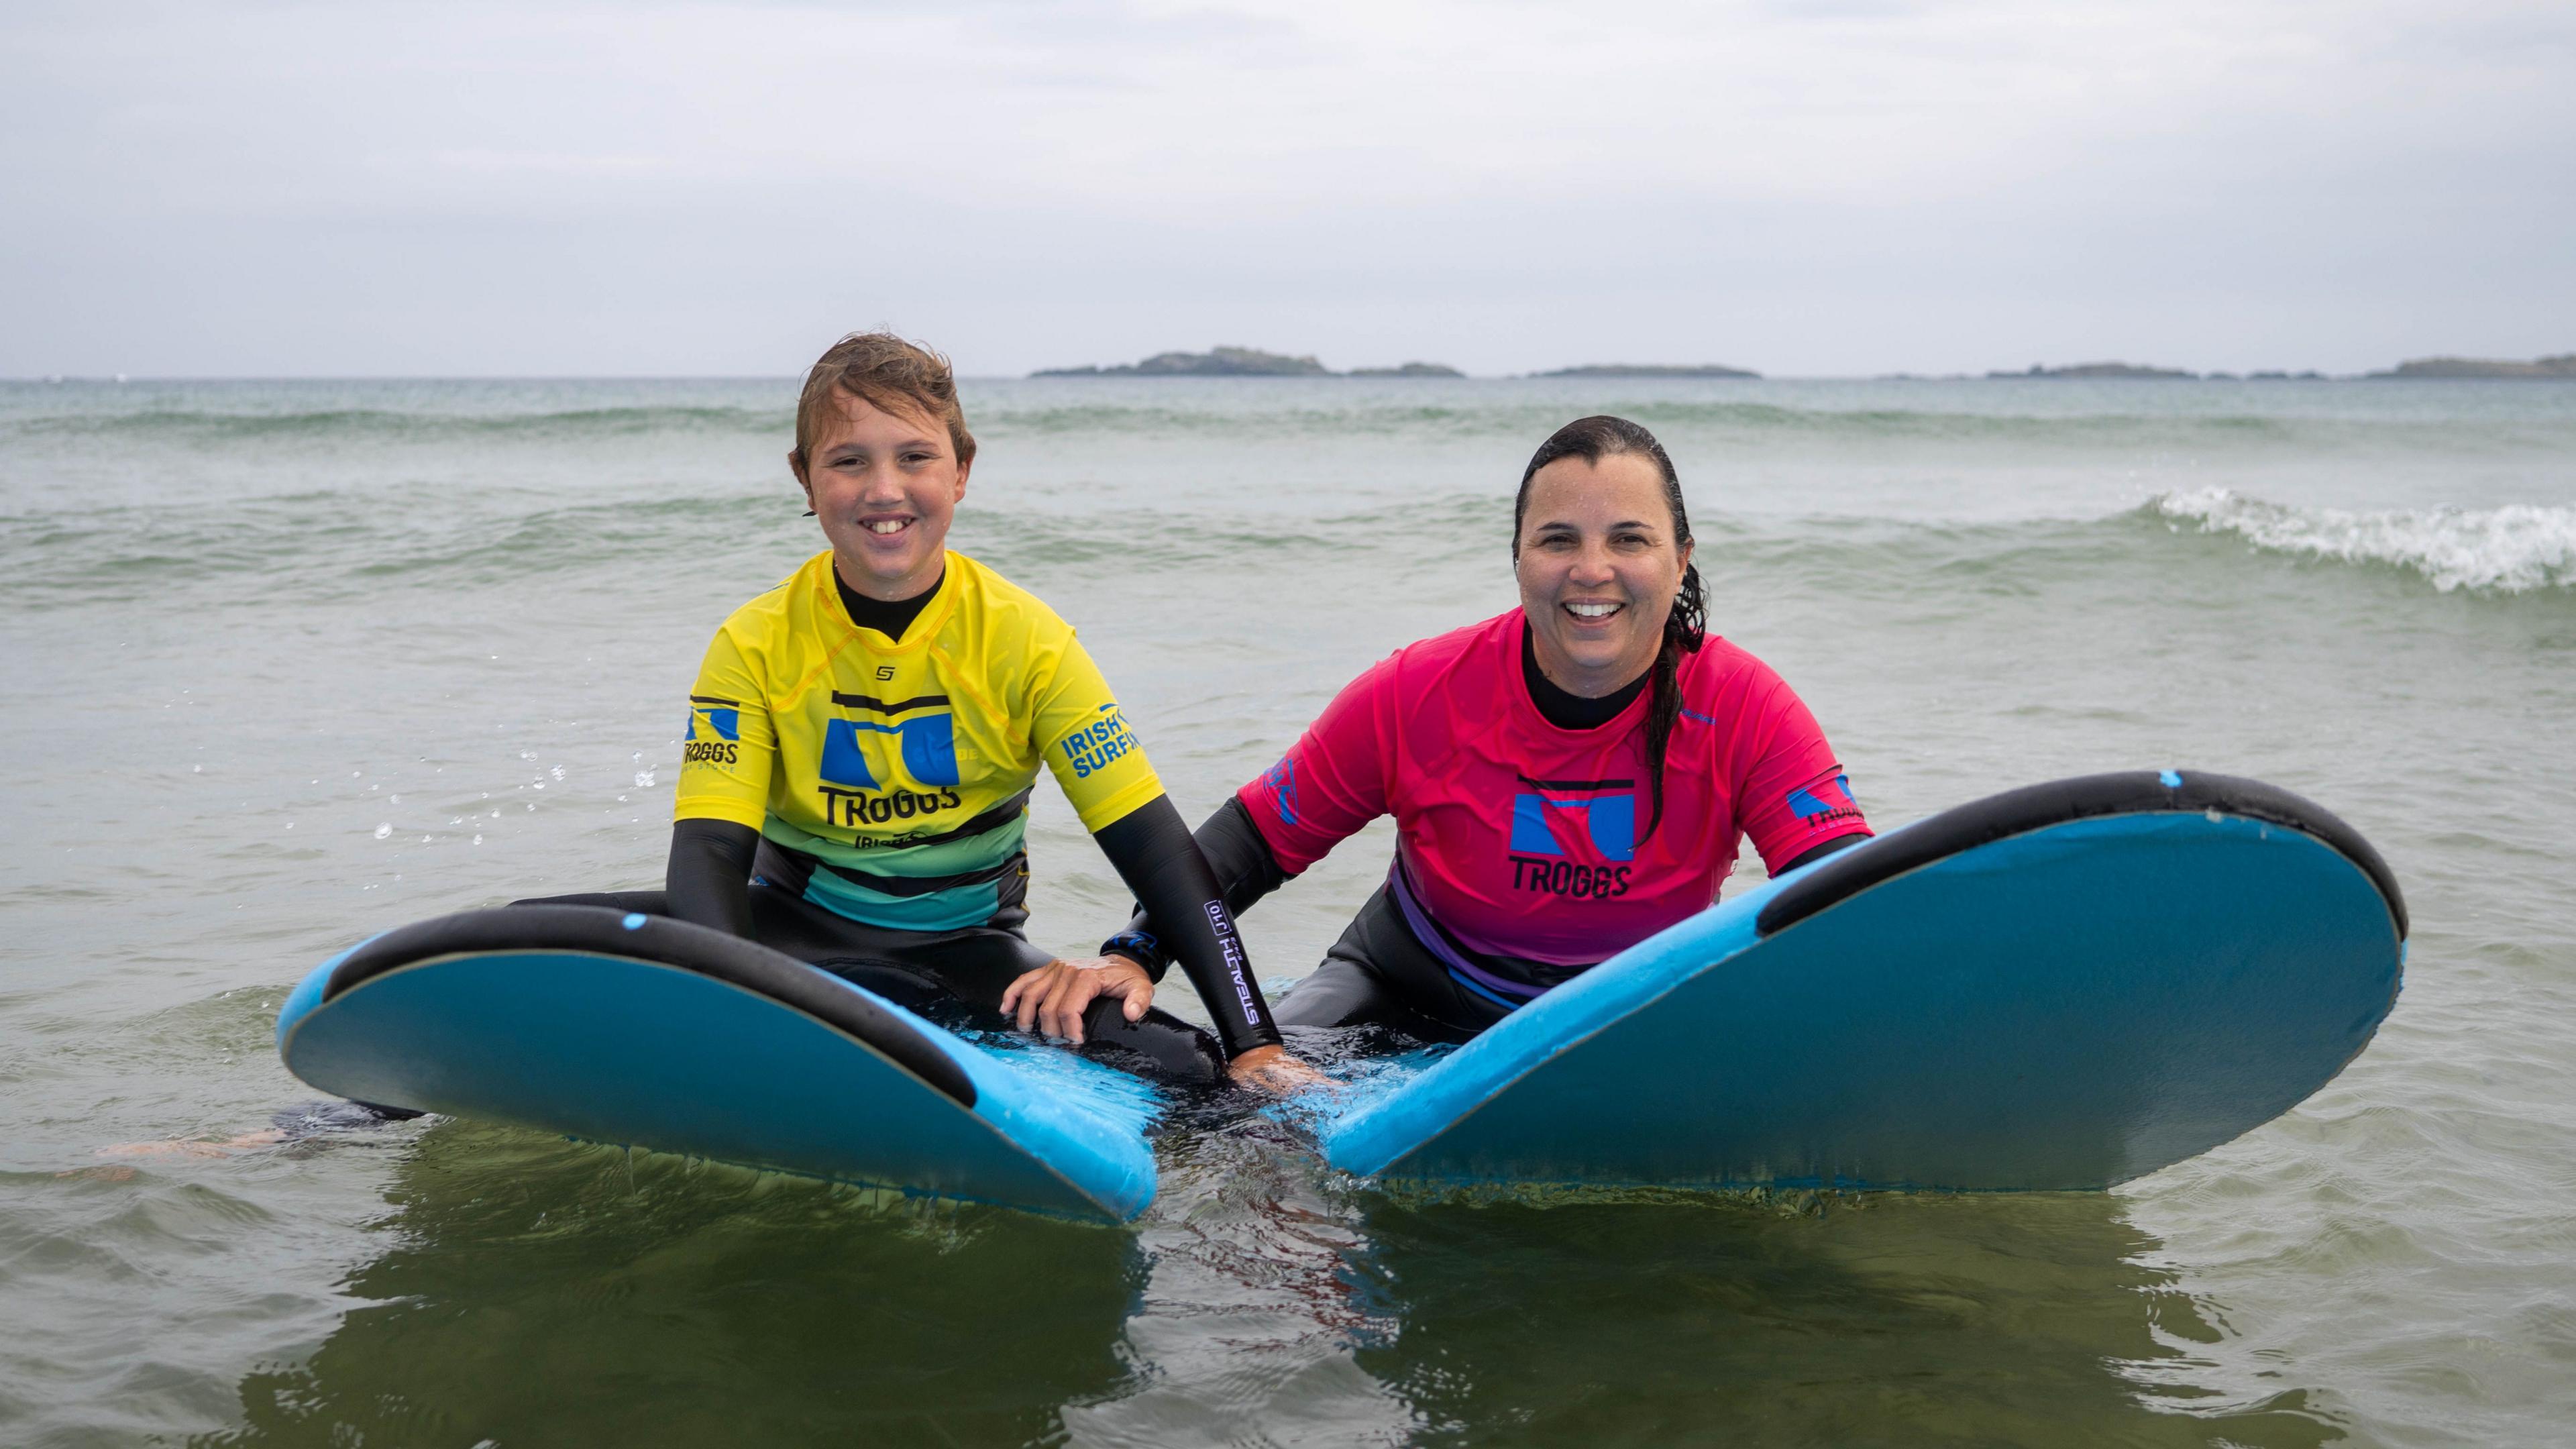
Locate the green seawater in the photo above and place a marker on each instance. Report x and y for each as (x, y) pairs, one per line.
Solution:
(293, 662)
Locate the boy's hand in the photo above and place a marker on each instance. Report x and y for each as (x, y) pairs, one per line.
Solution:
(1052, 997)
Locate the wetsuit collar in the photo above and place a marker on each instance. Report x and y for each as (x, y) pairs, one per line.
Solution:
(1566, 710)
(903, 623)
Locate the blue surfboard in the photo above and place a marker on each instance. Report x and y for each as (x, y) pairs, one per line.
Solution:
(647, 1032)
(2060, 987)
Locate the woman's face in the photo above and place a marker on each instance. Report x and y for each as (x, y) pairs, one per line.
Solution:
(1598, 570)
(884, 486)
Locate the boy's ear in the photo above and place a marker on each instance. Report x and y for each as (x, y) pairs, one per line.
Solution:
(796, 465)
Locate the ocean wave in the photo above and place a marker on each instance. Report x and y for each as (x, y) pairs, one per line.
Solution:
(327, 424)
(359, 416)
(1518, 417)
(2513, 549)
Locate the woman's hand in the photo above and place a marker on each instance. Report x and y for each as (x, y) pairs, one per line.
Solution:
(1054, 996)
(1271, 1069)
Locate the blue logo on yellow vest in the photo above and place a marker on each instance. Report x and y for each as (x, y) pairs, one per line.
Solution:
(929, 746)
(723, 719)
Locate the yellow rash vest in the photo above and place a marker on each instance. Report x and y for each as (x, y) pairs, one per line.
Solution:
(900, 773)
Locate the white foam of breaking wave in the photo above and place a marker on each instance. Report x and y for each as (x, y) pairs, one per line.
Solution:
(2511, 549)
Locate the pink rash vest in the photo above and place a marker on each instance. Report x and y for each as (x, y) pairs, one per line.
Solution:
(1519, 840)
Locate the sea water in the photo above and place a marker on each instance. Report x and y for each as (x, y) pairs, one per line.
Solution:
(293, 662)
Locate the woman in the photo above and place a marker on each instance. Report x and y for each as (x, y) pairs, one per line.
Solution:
(863, 740)
(1567, 779)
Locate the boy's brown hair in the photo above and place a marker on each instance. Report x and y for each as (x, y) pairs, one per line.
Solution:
(888, 374)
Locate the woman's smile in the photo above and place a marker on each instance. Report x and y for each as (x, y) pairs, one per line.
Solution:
(1598, 570)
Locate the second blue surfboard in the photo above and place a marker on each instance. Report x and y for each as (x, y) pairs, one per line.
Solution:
(2061, 987)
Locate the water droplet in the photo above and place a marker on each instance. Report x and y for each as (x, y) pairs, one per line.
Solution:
(644, 779)
(385, 831)
(478, 840)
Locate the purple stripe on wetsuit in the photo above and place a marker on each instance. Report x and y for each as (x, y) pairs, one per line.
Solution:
(1502, 991)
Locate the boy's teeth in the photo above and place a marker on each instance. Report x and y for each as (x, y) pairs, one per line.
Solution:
(886, 525)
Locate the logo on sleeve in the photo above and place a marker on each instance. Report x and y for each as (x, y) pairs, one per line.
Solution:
(1826, 800)
(1573, 837)
(715, 731)
(1281, 781)
(1091, 749)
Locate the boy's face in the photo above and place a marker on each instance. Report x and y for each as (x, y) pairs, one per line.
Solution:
(884, 486)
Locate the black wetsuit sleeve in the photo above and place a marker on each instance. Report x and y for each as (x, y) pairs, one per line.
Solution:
(1246, 870)
(1839, 842)
(708, 882)
(1190, 918)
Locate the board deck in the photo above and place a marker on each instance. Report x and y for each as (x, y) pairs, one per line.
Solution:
(2062, 987)
(642, 1031)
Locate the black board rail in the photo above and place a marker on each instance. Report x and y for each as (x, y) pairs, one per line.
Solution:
(2037, 807)
(599, 930)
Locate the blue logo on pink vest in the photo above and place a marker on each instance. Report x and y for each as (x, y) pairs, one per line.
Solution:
(1549, 812)
(1823, 797)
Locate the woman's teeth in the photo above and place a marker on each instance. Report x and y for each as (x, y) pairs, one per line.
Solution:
(1592, 611)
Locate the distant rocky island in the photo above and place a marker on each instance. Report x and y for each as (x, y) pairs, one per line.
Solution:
(1242, 362)
(1253, 362)
(2561, 366)
(1410, 369)
(1648, 369)
(2098, 369)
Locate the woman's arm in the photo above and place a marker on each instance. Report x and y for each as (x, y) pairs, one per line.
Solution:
(1831, 847)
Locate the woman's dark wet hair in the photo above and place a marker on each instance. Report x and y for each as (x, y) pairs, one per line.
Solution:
(1686, 627)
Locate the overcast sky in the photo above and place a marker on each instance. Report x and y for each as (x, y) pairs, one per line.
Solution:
(1850, 187)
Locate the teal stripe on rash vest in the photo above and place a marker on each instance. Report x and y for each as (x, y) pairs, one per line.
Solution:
(946, 910)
